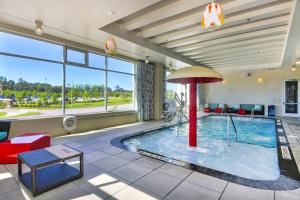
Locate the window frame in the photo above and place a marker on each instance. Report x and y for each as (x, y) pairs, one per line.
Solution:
(65, 62)
(105, 58)
(86, 62)
(38, 39)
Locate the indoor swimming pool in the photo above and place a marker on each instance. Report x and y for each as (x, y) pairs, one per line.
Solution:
(251, 154)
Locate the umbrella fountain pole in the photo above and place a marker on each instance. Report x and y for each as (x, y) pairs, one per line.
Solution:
(193, 114)
(193, 75)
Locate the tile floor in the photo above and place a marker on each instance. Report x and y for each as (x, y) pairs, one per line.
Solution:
(112, 173)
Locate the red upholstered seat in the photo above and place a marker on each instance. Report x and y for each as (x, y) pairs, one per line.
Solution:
(242, 112)
(207, 110)
(25, 142)
(218, 110)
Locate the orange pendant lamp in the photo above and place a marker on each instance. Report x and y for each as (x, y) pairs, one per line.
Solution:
(213, 16)
(110, 46)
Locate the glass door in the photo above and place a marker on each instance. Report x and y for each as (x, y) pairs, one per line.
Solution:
(291, 98)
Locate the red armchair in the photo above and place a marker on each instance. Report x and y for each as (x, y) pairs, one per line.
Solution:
(25, 142)
(206, 110)
(218, 110)
(242, 111)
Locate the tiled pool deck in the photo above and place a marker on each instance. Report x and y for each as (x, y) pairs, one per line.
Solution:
(112, 173)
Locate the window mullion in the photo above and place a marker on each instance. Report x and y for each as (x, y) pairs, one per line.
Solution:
(64, 82)
(105, 89)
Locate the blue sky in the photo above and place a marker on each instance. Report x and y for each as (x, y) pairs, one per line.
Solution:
(37, 71)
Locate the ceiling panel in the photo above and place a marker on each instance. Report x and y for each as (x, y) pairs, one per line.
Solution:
(195, 18)
(255, 31)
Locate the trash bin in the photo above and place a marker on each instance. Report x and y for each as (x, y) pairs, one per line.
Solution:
(271, 111)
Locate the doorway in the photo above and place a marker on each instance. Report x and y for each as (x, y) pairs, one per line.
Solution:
(291, 98)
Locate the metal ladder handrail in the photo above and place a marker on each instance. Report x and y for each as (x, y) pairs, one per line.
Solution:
(252, 113)
(230, 117)
(179, 101)
(168, 116)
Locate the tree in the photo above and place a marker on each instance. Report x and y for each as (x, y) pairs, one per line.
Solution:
(86, 94)
(95, 91)
(8, 93)
(20, 95)
(117, 88)
(54, 97)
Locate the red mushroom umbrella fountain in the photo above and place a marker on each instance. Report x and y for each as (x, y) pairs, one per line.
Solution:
(194, 75)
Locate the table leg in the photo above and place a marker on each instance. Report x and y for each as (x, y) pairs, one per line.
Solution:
(33, 181)
(19, 168)
(81, 164)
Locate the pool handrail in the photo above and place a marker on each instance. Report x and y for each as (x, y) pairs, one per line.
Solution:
(233, 126)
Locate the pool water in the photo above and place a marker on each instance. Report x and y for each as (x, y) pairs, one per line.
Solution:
(253, 155)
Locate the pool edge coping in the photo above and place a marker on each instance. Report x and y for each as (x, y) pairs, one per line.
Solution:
(289, 178)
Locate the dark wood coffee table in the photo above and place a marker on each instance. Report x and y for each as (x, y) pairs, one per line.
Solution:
(48, 168)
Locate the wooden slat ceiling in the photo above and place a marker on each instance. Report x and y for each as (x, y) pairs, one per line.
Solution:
(254, 32)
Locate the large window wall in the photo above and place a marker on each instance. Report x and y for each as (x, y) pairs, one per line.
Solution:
(39, 78)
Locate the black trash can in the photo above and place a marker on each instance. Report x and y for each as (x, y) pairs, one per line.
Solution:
(271, 111)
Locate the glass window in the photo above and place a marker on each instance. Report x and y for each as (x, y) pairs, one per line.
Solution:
(84, 90)
(96, 60)
(29, 88)
(75, 56)
(171, 89)
(120, 91)
(120, 65)
(15, 44)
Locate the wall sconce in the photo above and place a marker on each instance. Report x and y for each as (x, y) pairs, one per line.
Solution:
(260, 80)
(298, 61)
(147, 60)
(39, 29)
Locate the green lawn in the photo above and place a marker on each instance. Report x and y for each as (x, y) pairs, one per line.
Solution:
(111, 101)
(2, 114)
(27, 114)
(119, 101)
(85, 105)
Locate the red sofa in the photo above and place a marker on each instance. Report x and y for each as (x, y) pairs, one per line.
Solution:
(25, 142)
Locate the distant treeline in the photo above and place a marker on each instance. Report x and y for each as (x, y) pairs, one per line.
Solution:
(22, 89)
